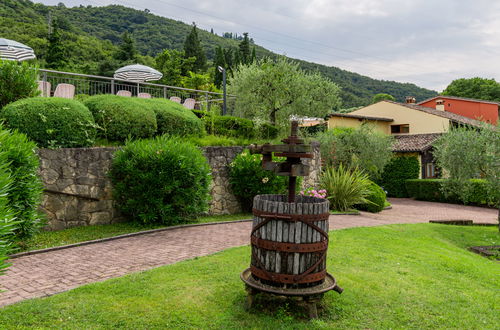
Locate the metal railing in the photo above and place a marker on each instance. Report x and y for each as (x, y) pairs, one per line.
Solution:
(95, 85)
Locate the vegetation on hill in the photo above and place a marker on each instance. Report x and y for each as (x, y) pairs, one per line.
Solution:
(92, 36)
(474, 88)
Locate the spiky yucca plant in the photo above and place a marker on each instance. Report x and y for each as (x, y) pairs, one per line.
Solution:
(345, 187)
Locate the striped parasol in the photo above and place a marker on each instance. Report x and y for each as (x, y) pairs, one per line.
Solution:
(137, 73)
(15, 51)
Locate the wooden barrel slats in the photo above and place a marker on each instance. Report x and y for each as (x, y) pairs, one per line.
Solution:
(289, 240)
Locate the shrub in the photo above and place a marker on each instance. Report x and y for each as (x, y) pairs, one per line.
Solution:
(51, 122)
(229, 126)
(212, 140)
(7, 221)
(199, 113)
(25, 192)
(432, 190)
(375, 199)
(268, 131)
(162, 180)
(248, 179)
(121, 117)
(172, 118)
(345, 187)
(396, 172)
(17, 81)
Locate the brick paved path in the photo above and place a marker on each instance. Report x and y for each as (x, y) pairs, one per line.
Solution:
(53, 272)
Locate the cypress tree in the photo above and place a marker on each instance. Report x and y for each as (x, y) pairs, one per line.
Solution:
(228, 59)
(245, 49)
(254, 57)
(219, 61)
(127, 51)
(192, 48)
(56, 57)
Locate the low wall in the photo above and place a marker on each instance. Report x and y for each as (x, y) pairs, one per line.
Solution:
(78, 191)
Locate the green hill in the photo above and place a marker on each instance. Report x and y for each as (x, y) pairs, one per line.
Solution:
(91, 35)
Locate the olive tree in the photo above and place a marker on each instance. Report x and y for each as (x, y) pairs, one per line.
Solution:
(273, 90)
(467, 153)
(362, 147)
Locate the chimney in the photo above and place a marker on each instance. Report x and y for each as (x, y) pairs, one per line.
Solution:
(440, 104)
(411, 100)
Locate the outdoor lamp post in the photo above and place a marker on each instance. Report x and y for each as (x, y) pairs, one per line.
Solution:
(223, 71)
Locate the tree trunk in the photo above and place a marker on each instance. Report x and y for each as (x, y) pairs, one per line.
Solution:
(272, 117)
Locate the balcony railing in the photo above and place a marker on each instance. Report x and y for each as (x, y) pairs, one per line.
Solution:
(94, 85)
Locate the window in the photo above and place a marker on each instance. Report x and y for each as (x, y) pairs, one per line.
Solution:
(430, 170)
(396, 129)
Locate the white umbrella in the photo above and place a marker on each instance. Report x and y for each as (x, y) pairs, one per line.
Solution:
(137, 73)
(15, 51)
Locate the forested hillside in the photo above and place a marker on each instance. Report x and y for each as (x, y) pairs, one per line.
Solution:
(91, 36)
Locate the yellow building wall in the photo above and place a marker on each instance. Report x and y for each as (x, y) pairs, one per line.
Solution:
(380, 126)
(420, 122)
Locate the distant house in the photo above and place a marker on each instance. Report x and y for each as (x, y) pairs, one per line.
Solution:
(486, 111)
(414, 127)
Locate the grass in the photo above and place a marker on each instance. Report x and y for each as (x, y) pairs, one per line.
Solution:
(398, 276)
(350, 211)
(46, 239)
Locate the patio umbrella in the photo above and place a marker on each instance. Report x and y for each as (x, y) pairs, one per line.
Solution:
(15, 51)
(137, 73)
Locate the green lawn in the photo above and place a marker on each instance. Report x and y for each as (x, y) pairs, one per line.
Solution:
(398, 276)
(46, 239)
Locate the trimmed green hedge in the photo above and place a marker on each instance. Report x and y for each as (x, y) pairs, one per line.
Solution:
(51, 122)
(430, 190)
(396, 172)
(172, 118)
(162, 180)
(229, 126)
(122, 117)
(376, 199)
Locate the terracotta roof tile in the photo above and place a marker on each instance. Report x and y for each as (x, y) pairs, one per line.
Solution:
(348, 115)
(458, 98)
(414, 142)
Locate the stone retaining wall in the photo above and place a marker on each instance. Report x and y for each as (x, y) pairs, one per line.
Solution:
(78, 191)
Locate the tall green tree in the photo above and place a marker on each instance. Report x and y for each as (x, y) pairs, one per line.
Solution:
(244, 48)
(174, 66)
(56, 52)
(229, 60)
(475, 88)
(272, 91)
(219, 61)
(254, 57)
(193, 48)
(127, 51)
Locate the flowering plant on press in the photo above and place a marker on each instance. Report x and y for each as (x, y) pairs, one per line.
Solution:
(314, 193)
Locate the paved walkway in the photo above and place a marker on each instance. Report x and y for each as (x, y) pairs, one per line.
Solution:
(53, 272)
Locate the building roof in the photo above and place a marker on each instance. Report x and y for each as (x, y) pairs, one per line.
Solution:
(441, 113)
(348, 115)
(414, 142)
(458, 98)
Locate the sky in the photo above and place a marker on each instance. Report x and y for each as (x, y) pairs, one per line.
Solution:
(425, 42)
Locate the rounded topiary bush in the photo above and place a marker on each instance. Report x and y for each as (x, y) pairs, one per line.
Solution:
(162, 180)
(51, 122)
(376, 199)
(173, 119)
(25, 191)
(396, 172)
(121, 117)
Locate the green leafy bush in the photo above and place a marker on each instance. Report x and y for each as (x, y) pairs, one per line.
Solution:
(345, 187)
(268, 131)
(248, 179)
(25, 192)
(375, 199)
(432, 190)
(396, 172)
(51, 122)
(17, 81)
(229, 126)
(172, 118)
(213, 140)
(162, 180)
(7, 220)
(121, 117)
